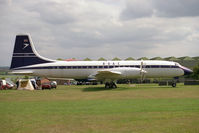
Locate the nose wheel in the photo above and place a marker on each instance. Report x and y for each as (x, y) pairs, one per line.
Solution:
(173, 84)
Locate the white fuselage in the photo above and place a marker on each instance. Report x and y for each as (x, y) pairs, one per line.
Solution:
(85, 69)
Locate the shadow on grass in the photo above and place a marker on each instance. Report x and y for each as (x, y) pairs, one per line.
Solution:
(96, 89)
(127, 87)
(120, 88)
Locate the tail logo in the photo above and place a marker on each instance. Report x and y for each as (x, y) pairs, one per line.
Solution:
(25, 40)
(25, 45)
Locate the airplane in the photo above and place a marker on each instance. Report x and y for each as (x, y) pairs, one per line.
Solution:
(26, 61)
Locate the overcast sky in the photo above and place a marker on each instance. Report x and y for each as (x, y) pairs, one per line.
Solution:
(101, 28)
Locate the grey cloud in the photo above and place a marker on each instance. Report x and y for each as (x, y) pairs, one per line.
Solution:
(177, 8)
(52, 12)
(137, 9)
(4, 2)
(160, 8)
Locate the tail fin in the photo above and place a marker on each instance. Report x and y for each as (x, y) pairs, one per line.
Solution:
(24, 53)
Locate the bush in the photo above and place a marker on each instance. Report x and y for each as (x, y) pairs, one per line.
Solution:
(195, 74)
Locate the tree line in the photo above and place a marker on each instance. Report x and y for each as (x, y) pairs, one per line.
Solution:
(172, 58)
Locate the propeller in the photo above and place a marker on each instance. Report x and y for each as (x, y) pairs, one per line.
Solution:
(142, 71)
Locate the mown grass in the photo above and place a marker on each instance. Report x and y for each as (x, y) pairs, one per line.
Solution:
(130, 108)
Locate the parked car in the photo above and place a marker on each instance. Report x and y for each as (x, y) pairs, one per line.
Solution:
(3, 85)
(46, 86)
(9, 85)
(53, 84)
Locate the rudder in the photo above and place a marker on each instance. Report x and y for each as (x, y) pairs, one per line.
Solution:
(24, 53)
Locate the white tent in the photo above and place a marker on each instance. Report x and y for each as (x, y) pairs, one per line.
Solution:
(25, 84)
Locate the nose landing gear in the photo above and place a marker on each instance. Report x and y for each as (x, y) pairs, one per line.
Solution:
(173, 84)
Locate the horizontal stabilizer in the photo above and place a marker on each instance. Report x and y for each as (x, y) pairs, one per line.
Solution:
(22, 72)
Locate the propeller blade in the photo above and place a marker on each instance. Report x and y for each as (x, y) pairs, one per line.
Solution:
(142, 71)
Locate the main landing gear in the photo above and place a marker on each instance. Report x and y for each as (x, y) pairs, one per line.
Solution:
(173, 84)
(110, 85)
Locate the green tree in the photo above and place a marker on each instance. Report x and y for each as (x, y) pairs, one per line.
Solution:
(143, 58)
(101, 59)
(130, 58)
(87, 59)
(116, 59)
(196, 58)
(185, 58)
(156, 58)
(196, 72)
(172, 58)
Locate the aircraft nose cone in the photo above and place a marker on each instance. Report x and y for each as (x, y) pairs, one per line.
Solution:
(187, 71)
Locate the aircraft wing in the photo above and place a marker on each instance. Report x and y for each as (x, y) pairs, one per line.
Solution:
(108, 74)
(116, 73)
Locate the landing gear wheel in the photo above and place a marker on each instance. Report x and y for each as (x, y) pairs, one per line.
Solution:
(110, 85)
(113, 85)
(107, 85)
(173, 84)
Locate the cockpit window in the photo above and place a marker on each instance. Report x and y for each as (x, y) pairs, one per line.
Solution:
(177, 64)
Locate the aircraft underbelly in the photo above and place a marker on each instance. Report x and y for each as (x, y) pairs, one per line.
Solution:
(63, 73)
(85, 73)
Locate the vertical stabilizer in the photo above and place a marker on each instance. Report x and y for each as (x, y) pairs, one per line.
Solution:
(24, 53)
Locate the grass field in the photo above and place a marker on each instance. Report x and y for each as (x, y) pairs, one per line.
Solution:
(82, 109)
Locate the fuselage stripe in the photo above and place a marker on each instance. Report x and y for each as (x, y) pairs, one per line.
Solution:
(26, 56)
(99, 67)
